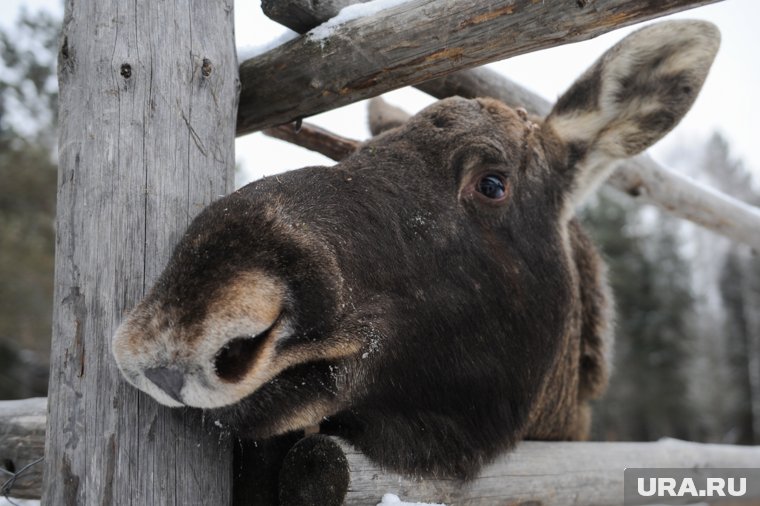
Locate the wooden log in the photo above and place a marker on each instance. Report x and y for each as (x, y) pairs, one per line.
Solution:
(147, 106)
(549, 473)
(316, 139)
(22, 443)
(401, 46)
(546, 473)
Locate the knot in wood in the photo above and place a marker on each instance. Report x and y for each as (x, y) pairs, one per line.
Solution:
(206, 67)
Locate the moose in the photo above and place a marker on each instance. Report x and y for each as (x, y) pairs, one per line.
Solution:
(431, 299)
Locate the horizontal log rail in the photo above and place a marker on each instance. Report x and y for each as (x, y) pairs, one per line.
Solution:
(547, 473)
(414, 42)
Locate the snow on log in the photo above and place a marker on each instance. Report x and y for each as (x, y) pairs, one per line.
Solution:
(400, 46)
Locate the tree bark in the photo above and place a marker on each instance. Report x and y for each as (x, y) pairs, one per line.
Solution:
(415, 42)
(148, 92)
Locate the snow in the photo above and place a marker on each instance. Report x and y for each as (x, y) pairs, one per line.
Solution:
(248, 52)
(351, 12)
(393, 500)
(20, 502)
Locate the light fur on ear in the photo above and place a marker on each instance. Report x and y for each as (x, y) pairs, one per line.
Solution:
(631, 97)
(384, 116)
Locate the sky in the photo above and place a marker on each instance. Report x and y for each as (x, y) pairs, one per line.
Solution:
(729, 102)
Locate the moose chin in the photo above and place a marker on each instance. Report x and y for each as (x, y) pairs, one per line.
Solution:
(431, 299)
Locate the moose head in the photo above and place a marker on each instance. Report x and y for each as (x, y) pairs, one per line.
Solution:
(431, 298)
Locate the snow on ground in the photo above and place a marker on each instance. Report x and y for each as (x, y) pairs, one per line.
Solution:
(393, 500)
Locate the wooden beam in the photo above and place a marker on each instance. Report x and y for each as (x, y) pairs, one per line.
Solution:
(414, 42)
(547, 473)
(316, 139)
(148, 94)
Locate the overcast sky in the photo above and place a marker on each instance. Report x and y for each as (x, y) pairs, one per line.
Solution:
(729, 101)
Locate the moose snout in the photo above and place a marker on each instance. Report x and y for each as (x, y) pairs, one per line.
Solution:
(168, 379)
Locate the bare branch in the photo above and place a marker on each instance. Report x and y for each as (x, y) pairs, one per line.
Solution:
(369, 56)
(317, 139)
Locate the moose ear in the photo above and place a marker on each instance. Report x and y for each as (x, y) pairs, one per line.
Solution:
(631, 97)
(384, 116)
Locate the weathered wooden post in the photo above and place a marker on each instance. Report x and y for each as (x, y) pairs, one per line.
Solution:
(148, 93)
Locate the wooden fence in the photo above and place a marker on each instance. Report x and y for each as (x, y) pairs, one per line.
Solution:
(148, 96)
(327, 468)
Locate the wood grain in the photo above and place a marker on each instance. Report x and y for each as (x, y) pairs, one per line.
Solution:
(148, 92)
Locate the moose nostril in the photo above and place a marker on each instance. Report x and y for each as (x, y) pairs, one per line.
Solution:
(167, 379)
(233, 361)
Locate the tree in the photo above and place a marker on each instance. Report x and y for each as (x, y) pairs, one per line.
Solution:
(650, 279)
(28, 109)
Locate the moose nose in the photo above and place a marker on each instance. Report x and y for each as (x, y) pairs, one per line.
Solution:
(167, 379)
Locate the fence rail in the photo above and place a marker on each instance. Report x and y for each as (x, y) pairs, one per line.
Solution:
(399, 47)
(547, 473)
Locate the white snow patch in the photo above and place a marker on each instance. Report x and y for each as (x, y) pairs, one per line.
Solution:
(19, 502)
(248, 52)
(349, 13)
(393, 500)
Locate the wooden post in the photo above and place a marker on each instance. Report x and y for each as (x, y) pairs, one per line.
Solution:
(148, 93)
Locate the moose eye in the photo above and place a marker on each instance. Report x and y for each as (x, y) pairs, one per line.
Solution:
(491, 186)
(232, 361)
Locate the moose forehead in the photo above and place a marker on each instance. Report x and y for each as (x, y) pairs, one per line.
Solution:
(454, 123)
